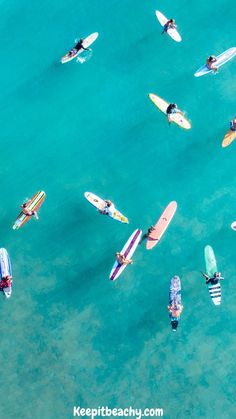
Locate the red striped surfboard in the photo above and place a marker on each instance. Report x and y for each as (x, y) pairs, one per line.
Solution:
(33, 204)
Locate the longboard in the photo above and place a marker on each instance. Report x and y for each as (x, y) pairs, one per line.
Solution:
(161, 225)
(172, 32)
(86, 43)
(220, 60)
(5, 270)
(175, 298)
(228, 138)
(127, 251)
(177, 117)
(211, 268)
(33, 204)
(99, 203)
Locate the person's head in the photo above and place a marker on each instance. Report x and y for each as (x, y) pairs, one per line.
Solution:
(172, 21)
(108, 203)
(217, 275)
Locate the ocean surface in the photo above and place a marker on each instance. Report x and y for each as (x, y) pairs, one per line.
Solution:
(69, 336)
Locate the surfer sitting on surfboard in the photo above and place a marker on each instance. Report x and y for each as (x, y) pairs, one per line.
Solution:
(108, 208)
(233, 124)
(171, 108)
(146, 235)
(77, 47)
(170, 24)
(210, 63)
(175, 309)
(216, 278)
(5, 282)
(121, 259)
(28, 211)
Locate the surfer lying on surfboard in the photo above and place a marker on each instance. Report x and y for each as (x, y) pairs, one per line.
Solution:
(121, 259)
(77, 47)
(175, 309)
(170, 24)
(5, 282)
(28, 211)
(216, 278)
(210, 63)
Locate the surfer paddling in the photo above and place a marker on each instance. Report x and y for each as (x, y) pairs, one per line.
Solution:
(77, 47)
(122, 260)
(170, 24)
(27, 211)
(216, 278)
(210, 63)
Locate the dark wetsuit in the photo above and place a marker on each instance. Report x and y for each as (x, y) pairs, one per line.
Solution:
(79, 45)
(171, 109)
(232, 126)
(214, 280)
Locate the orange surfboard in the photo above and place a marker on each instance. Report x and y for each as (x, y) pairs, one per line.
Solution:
(228, 138)
(161, 225)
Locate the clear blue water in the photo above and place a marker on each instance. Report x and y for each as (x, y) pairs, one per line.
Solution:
(68, 335)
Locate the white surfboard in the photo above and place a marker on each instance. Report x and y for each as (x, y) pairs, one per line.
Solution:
(99, 203)
(172, 32)
(127, 251)
(86, 43)
(177, 117)
(221, 60)
(5, 270)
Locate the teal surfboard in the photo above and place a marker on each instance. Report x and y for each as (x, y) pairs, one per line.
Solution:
(211, 268)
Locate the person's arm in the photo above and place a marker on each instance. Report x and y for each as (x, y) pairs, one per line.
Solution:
(206, 276)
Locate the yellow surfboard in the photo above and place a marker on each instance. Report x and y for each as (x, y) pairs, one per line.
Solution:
(177, 117)
(228, 138)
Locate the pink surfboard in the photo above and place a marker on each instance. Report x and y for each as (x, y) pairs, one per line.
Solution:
(161, 225)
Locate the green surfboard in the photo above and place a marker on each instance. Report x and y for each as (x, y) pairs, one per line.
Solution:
(211, 266)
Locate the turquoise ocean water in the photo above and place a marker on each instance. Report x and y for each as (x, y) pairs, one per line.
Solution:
(69, 336)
